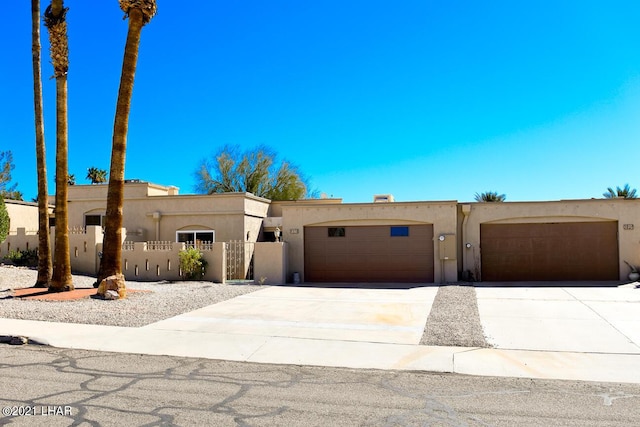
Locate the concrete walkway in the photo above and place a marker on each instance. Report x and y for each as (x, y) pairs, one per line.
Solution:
(588, 334)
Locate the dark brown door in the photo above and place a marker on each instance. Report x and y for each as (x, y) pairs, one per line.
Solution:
(549, 251)
(369, 254)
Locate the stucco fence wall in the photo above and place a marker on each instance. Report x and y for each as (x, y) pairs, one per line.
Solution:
(20, 240)
(153, 261)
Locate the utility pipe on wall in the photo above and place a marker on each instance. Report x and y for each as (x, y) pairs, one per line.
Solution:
(466, 211)
(156, 218)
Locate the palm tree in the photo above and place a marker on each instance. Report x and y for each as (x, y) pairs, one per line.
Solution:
(55, 20)
(44, 246)
(96, 176)
(490, 196)
(139, 13)
(626, 192)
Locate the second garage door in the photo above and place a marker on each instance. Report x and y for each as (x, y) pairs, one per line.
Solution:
(369, 254)
(550, 251)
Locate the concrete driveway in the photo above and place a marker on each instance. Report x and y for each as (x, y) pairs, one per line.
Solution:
(396, 316)
(567, 319)
(590, 334)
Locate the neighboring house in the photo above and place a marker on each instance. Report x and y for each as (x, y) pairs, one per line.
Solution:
(383, 241)
(158, 213)
(23, 226)
(22, 215)
(412, 242)
(554, 240)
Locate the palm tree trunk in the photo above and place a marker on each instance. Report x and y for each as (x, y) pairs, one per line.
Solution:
(55, 21)
(44, 247)
(112, 251)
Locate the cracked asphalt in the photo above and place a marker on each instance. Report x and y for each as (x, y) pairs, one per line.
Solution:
(113, 389)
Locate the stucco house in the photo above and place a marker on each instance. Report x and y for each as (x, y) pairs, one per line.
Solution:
(552, 240)
(326, 240)
(22, 215)
(158, 213)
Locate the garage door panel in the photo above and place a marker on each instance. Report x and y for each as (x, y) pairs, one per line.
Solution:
(369, 254)
(554, 251)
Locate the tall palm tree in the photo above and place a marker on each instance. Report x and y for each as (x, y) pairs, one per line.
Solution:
(96, 176)
(55, 20)
(626, 192)
(44, 246)
(139, 13)
(490, 196)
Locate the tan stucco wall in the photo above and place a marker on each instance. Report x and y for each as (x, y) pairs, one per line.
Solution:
(158, 216)
(442, 215)
(22, 215)
(18, 241)
(621, 210)
(270, 263)
(144, 264)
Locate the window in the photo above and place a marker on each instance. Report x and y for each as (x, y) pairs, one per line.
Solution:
(336, 232)
(400, 231)
(195, 236)
(94, 220)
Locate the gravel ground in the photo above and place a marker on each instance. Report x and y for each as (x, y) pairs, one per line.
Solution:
(161, 301)
(454, 319)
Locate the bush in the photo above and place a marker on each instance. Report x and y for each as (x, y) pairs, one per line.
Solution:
(4, 221)
(192, 265)
(27, 258)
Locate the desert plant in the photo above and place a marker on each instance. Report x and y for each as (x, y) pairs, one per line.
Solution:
(4, 220)
(192, 265)
(255, 171)
(489, 196)
(625, 192)
(96, 176)
(45, 265)
(139, 13)
(27, 257)
(55, 21)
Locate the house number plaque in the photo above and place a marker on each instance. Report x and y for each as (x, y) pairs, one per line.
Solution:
(627, 226)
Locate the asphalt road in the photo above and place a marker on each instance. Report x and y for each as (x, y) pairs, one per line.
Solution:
(61, 387)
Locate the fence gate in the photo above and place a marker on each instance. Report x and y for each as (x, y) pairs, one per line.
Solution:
(239, 260)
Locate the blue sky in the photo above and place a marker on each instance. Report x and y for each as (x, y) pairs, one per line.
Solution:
(426, 100)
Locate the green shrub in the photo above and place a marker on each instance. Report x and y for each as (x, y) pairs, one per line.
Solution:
(4, 221)
(192, 265)
(27, 258)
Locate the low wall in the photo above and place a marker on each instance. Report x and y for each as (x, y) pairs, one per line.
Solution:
(270, 263)
(151, 261)
(21, 240)
(85, 247)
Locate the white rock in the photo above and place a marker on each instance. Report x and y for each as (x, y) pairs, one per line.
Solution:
(111, 295)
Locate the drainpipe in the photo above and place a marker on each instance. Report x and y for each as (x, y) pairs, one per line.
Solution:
(466, 211)
(156, 218)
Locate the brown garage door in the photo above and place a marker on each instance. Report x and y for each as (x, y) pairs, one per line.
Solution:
(369, 254)
(551, 251)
